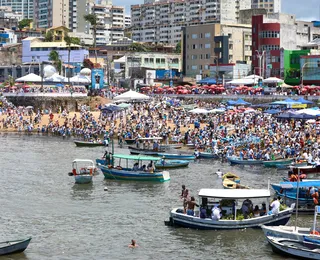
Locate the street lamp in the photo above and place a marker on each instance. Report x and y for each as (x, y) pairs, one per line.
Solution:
(303, 66)
(260, 57)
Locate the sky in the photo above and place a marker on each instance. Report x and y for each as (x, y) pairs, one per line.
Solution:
(304, 10)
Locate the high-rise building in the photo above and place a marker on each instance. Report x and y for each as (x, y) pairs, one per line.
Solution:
(51, 13)
(77, 9)
(272, 6)
(24, 7)
(161, 21)
(127, 20)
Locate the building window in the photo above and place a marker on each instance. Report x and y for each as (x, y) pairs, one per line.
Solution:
(207, 45)
(194, 36)
(194, 57)
(194, 46)
(194, 67)
(207, 35)
(157, 60)
(207, 56)
(206, 67)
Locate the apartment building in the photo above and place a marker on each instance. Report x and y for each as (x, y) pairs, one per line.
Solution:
(161, 21)
(127, 20)
(273, 32)
(272, 6)
(217, 44)
(23, 7)
(51, 13)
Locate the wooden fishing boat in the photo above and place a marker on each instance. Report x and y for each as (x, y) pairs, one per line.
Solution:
(83, 171)
(237, 160)
(134, 150)
(204, 155)
(229, 184)
(228, 198)
(275, 163)
(171, 164)
(88, 144)
(288, 190)
(14, 246)
(294, 248)
(171, 146)
(127, 173)
(130, 141)
(231, 176)
(177, 156)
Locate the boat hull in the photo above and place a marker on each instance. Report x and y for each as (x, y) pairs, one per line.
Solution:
(183, 220)
(244, 162)
(291, 194)
(177, 156)
(87, 144)
(208, 156)
(83, 179)
(134, 150)
(171, 146)
(277, 163)
(116, 174)
(130, 141)
(306, 170)
(13, 247)
(172, 164)
(288, 232)
(294, 248)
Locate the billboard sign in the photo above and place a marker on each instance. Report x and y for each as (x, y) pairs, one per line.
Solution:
(97, 79)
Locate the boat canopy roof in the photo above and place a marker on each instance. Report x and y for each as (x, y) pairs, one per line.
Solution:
(150, 138)
(302, 184)
(136, 157)
(234, 193)
(83, 161)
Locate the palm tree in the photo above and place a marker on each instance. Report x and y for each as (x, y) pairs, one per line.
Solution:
(69, 41)
(55, 58)
(93, 20)
(10, 81)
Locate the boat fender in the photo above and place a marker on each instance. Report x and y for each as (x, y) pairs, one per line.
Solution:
(314, 232)
(105, 188)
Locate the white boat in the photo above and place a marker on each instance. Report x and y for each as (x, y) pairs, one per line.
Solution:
(295, 248)
(83, 170)
(294, 232)
(210, 197)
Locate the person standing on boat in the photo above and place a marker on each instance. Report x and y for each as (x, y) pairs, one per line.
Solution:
(216, 212)
(313, 192)
(275, 207)
(190, 206)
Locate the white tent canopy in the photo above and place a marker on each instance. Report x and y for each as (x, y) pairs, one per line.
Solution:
(131, 95)
(245, 81)
(253, 77)
(199, 111)
(56, 78)
(80, 79)
(272, 80)
(310, 112)
(29, 78)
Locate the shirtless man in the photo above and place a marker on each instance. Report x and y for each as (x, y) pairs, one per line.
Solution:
(190, 206)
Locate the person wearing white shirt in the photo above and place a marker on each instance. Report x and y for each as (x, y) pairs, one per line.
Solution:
(275, 206)
(216, 212)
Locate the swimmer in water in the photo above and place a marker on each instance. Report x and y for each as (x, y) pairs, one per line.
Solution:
(133, 244)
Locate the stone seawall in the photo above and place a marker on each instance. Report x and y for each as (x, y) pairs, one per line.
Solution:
(70, 103)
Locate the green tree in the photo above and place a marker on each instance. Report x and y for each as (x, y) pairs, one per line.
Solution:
(55, 58)
(178, 48)
(48, 37)
(93, 20)
(138, 47)
(70, 41)
(10, 81)
(24, 23)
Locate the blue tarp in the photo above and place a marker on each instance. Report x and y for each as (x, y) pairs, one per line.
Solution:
(208, 81)
(287, 101)
(231, 102)
(272, 111)
(291, 115)
(304, 101)
(111, 108)
(240, 102)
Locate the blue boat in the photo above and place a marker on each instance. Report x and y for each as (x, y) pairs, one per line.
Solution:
(171, 164)
(237, 160)
(288, 190)
(203, 155)
(127, 173)
(14, 246)
(177, 156)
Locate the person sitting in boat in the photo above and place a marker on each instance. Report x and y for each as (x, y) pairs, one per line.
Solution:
(150, 167)
(143, 168)
(256, 211)
(203, 212)
(162, 160)
(263, 210)
(241, 155)
(216, 212)
(247, 208)
(275, 206)
(313, 192)
(196, 153)
(155, 146)
(135, 167)
(190, 206)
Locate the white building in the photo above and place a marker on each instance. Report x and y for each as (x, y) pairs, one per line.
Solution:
(161, 21)
(24, 7)
(127, 20)
(7, 36)
(110, 26)
(272, 6)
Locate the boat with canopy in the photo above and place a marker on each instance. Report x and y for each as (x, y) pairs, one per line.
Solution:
(131, 167)
(231, 218)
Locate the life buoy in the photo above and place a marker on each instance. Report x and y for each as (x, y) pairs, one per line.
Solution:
(314, 232)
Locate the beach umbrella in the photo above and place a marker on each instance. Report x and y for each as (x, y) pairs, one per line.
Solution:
(199, 111)
(29, 78)
(304, 101)
(241, 102)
